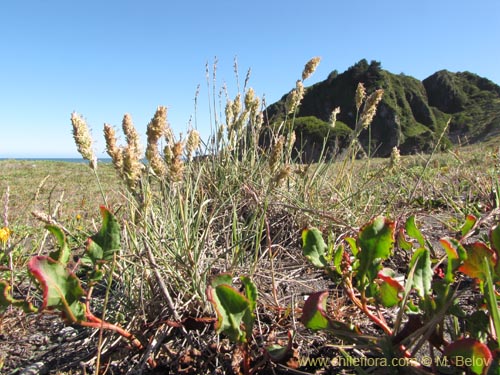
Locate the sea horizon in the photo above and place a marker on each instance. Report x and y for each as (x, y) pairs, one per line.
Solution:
(42, 158)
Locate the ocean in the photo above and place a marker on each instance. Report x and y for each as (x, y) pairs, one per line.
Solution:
(67, 160)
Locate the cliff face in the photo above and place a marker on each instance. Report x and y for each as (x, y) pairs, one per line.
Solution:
(411, 115)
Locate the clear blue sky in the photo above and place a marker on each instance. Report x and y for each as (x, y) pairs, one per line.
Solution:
(104, 58)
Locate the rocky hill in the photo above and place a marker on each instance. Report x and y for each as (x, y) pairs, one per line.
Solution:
(412, 114)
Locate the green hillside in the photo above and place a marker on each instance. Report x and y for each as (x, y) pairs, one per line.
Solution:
(411, 115)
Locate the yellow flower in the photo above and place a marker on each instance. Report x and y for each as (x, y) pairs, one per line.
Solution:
(4, 235)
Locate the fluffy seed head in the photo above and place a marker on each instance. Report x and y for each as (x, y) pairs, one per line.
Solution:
(112, 148)
(176, 165)
(292, 101)
(395, 158)
(370, 108)
(360, 95)
(133, 139)
(192, 143)
(310, 67)
(83, 140)
(155, 130)
(333, 116)
(276, 153)
(157, 125)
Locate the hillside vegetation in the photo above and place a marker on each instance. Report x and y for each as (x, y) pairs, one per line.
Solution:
(411, 116)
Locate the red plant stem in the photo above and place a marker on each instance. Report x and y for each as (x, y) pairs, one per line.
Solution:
(95, 322)
(246, 359)
(362, 306)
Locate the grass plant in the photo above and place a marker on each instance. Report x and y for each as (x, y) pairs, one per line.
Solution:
(231, 205)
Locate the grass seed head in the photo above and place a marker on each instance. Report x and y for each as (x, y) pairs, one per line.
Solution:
(112, 148)
(176, 165)
(83, 140)
(360, 95)
(370, 108)
(282, 174)
(292, 101)
(157, 126)
(133, 140)
(276, 153)
(155, 130)
(132, 166)
(395, 160)
(192, 143)
(333, 116)
(310, 67)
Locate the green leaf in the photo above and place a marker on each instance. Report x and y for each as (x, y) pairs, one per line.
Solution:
(413, 231)
(470, 353)
(61, 288)
(250, 291)
(390, 289)
(495, 246)
(234, 310)
(452, 248)
(337, 258)
(470, 221)
(422, 277)
(473, 266)
(251, 294)
(102, 245)
(402, 242)
(279, 353)
(63, 254)
(375, 242)
(352, 244)
(491, 298)
(314, 312)
(314, 247)
(6, 299)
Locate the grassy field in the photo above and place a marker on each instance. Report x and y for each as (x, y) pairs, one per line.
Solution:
(177, 223)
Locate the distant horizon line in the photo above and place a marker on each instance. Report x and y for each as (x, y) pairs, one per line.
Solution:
(52, 158)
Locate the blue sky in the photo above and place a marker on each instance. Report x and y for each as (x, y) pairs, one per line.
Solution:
(105, 58)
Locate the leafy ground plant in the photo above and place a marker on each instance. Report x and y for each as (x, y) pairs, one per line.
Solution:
(61, 285)
(426, 298)
(235, 311)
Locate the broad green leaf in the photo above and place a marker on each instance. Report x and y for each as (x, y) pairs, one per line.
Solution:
(402, 242)
(337, 259)
(102, 245)
(413, 231)
(451, 246)
(353, 245)
(63, 254)
(230, 306)
(279, 353)
(473, 266)
(61, 288)
(375, 242)
(495, 246)
(422, 277)
(390, 289)
(491, 298)
(222, 278)
(314, 247)
(6, 299)
(470, 353)
(251, 294)
(470, 221)
(314, 312)
(250, 291)
(234, 310)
